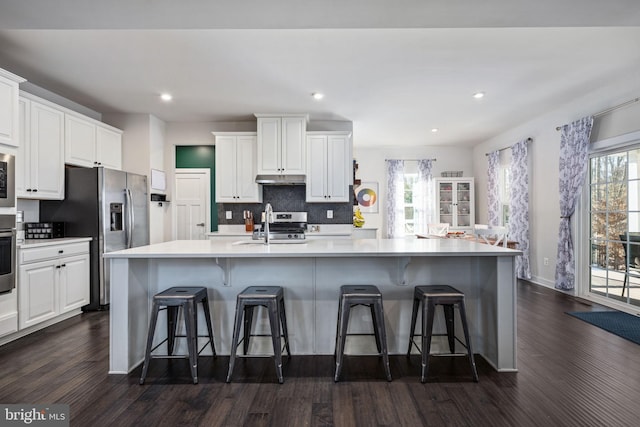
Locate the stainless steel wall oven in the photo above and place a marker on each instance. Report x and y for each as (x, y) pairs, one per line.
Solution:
(7, 253)
(7, 181)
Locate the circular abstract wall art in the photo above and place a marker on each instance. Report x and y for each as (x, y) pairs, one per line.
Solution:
(367, 197)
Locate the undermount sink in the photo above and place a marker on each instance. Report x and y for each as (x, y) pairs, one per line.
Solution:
(272, 242)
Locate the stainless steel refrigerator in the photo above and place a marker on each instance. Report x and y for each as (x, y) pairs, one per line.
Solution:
(111, 207)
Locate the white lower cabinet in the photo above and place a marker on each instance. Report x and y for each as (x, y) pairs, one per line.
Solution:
(8, 313)
(37, 293)
(52, 280)
(74, 282)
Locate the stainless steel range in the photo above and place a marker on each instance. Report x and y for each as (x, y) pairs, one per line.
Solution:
(285, 226)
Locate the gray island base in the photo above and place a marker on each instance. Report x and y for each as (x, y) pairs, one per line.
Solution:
(311, 274)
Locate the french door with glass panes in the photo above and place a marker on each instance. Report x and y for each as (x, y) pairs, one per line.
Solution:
(614, 215)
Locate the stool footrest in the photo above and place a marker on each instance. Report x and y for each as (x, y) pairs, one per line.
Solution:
(413, 341)
(249, 356)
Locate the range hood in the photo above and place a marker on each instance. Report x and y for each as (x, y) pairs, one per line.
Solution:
(281, 179)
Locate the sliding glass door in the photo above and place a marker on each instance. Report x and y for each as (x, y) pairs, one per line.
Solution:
(614, 189)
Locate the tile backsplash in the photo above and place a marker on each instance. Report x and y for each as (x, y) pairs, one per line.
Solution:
(285, 198)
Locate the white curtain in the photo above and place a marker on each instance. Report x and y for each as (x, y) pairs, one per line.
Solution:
(493, 187)
(423, 200)
(574, 150)
(519, 206)
(395, 198)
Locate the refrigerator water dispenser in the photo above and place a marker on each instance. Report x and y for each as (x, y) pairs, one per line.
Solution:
(115, 213)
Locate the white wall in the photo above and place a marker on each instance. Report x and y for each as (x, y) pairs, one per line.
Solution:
(159, 213)
(371, 167)
(143, 143)
(544, 169)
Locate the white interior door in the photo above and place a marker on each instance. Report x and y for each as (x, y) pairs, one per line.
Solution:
(191, 204)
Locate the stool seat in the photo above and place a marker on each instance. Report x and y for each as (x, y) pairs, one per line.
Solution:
(357, 291)
(439, 291)
(430, 297)
(260, 292)
(351, 296)
(172, 300)
(271, 297)
(179, 294)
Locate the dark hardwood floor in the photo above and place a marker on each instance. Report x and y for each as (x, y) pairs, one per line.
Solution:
(570, 374)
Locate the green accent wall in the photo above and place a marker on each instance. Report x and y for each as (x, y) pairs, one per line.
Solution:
(201, 157)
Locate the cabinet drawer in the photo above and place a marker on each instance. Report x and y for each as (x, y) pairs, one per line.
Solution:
(53, 251)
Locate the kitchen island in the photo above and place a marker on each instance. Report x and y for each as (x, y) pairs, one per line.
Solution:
(311, 274)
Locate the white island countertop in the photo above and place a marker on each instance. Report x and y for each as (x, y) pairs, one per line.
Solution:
(234, 248)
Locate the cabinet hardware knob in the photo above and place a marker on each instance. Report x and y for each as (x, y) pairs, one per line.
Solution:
(64, 265)
(60, 251)
(28, 189)
(35, 189)
(57, 266)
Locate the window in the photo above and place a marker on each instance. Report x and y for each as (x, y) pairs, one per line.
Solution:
(614, 220)
(410, 181)
(505, 192)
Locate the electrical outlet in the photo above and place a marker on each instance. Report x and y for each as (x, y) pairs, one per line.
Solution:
(329, 214)
(545, 261)
(228, 214)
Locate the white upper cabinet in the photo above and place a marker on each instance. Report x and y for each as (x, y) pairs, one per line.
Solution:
(40, 159)
(79, 141)
(281, 144)
(236, 168)
(9, 120)
(328, 166)
(89, 143)
(109, 147)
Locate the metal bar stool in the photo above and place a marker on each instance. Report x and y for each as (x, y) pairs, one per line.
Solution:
(367, 295)
(447, 296)
(271, 297)
(171, 300)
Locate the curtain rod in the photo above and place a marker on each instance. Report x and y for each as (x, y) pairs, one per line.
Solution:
(608, 110)
(412, 160)
(506, 148)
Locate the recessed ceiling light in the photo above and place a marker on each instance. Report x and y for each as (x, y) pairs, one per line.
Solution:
(478, 95)
(434, 130)
(166, 97)
(317, 96)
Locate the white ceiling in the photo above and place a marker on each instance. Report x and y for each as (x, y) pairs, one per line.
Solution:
(396, 68)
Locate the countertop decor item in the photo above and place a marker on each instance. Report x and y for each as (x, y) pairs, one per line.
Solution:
(358, 219)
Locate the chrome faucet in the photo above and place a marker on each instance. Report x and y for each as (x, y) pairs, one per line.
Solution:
(268, 218)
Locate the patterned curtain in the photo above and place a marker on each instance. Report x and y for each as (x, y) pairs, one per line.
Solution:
(423, 200)
(574, 149)
(519, 206)
(493, 184)
(395, 198)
